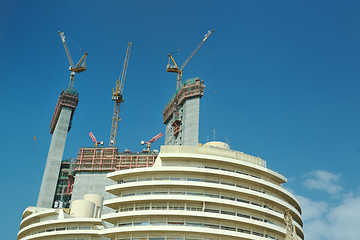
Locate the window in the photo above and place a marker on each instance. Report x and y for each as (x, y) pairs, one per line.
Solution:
(85, 228)
(243, 215)
(159, 206)
(243, 230)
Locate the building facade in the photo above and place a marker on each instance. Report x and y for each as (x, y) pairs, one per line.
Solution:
(80, 222)
(93, 164)
(201, 193)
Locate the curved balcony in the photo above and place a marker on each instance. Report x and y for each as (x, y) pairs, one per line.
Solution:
(271, 188)
(210, 231)
(117, 190)
(64, 227)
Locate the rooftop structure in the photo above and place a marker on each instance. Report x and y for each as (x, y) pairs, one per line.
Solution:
(109, 159)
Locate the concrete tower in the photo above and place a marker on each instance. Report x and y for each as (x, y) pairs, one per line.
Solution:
(181, 115)
(59, 127)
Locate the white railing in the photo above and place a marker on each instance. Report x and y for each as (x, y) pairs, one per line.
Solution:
(208, 150)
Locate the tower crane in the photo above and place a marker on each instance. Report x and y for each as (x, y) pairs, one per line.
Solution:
(174, 67)
(93, 138)
(118, 98)
(79, 67)
(148, 143)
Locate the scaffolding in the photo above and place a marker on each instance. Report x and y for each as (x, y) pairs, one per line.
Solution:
(109, 159)
(65, 183)
(191, 88)
(68, 98)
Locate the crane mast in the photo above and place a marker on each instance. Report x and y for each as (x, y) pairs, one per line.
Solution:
(118, 98)
(79, 67)
(174, 67)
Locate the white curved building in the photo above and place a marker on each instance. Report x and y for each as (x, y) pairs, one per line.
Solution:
(201, 193)
(81, 222)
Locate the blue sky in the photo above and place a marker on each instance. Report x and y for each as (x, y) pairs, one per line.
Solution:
(282, 82)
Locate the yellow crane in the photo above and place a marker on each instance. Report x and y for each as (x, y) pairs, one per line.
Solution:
(79, 67)
(118, 98)
(174, 67)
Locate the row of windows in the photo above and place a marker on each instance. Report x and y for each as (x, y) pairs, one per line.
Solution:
(167, 238)
(201, 224)
(72, 238)
(196, 192)
(213, 208)
(61, 228)
(235, 170)
(197, 179)
(39, 219)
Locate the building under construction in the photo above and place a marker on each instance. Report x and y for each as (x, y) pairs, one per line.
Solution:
(181, 114)
(193, 192)
(59, 127)
(87, 173)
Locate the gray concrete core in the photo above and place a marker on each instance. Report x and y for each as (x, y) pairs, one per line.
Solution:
(190, 121)
(189, 114)
(92, 182)
(53, 162)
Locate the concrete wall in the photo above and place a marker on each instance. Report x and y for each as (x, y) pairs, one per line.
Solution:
(92, 182)
(189, 114)
(190, 123)
(53, 162)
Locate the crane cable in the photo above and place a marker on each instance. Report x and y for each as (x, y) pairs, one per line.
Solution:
(185, 47)
(77, 46)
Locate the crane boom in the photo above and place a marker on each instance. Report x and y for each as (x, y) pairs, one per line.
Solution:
(207, 35)
(66, 48)
(148, 143)
(155, 138)
(179, 71)
(93, 138)
(80, 66)
(118, 98)
(124, 70)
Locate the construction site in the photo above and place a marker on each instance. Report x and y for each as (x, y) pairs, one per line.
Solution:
(94, 171)
(66, 180)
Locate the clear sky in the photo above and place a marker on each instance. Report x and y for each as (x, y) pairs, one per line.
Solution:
(282, 82)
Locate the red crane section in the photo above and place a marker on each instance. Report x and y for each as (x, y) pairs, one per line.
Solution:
(148, 143)
(93, 138)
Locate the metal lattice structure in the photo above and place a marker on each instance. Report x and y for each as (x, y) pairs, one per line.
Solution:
(173, 67)
(118, 98)
(79, 67)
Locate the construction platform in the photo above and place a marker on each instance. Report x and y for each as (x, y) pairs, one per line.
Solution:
(109, 159)
(191, 88)
(68, 98)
